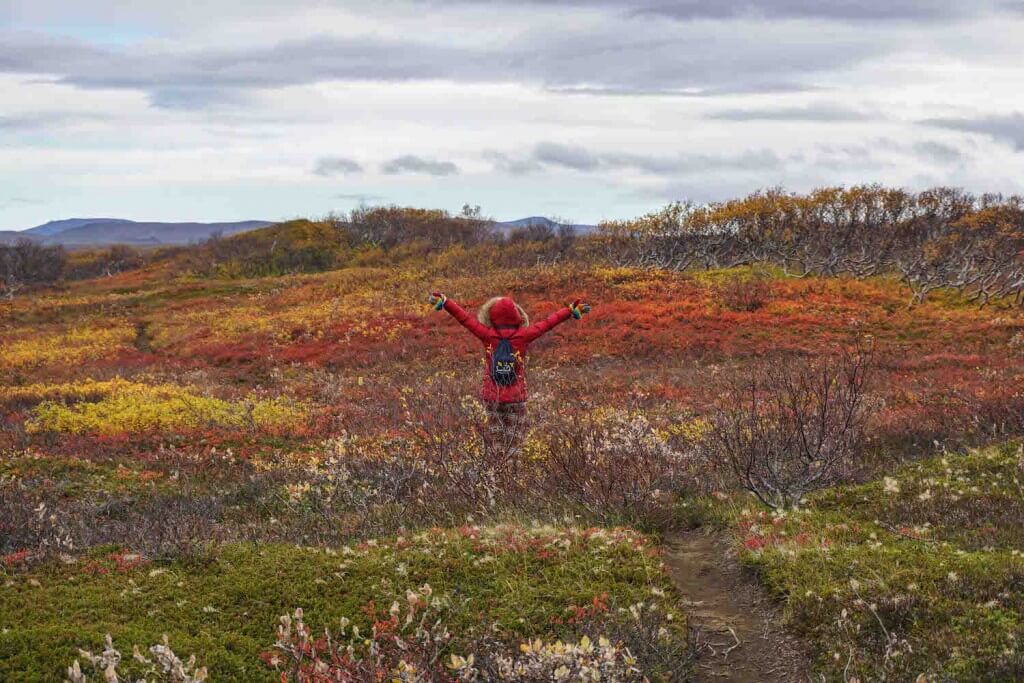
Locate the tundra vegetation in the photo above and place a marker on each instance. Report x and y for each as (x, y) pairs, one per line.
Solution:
(267, 448)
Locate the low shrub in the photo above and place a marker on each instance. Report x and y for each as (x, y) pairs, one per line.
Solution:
(66, 348)
(791, 426)
(744, 293)
(126, 406)
(614, 465)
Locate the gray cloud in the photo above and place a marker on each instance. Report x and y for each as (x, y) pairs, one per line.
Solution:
(871, 156)
(823, 112)
(42, 53)
(511, 165)
(866, 158)
(18, 123)
(938, 152)
(329, 166)
(636, 56)
(683, 164)
(1007, 128)
(766, 87)
(188, 98)
(192, 14)
(46, 120)
(842, 10)
(837, 10)
(286, 63)
(411, 163)
(576, 158)
(566, 156)
(192, 79)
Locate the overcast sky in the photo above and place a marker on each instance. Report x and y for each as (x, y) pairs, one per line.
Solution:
(587, 109)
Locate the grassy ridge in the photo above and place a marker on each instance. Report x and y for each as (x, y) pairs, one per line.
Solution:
(920, 572)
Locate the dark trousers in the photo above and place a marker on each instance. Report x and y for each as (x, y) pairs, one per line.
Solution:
(505, 428)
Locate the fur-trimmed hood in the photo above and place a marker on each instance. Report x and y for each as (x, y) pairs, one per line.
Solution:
(484, 314)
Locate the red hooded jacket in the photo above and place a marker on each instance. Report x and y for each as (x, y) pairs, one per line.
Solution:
(507, 323)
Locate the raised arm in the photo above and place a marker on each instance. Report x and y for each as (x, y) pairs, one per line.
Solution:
(538, 329)
(440, 301)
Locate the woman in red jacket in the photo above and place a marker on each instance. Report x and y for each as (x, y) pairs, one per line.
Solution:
(506, 333)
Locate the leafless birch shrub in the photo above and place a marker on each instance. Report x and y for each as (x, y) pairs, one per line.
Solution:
(791, 426)
(468, 468)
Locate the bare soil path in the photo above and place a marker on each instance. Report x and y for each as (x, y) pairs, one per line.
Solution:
(741, 637)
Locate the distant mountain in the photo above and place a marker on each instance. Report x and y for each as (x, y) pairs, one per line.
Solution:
(90, 232)
(532, 221)
(54, 227)
(87, 232)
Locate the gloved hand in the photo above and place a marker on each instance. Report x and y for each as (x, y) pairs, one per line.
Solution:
(437, 300)
(579, 309)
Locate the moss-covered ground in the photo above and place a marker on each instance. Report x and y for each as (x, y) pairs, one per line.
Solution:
(515, 582)
(920, 573)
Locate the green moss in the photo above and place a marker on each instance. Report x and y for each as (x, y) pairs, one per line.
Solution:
(918, 573)
(521, 579)
(77, 477)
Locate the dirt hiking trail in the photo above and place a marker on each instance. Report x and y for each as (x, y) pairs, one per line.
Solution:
(741, 637)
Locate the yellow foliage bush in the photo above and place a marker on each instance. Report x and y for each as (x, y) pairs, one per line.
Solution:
(280, 323)
(122, 407)
(88, 389)
(72, 346)
(693, 430)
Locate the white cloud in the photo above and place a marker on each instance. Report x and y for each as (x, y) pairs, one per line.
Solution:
(590, 108)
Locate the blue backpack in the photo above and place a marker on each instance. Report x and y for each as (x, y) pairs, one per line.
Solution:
(503, 364)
